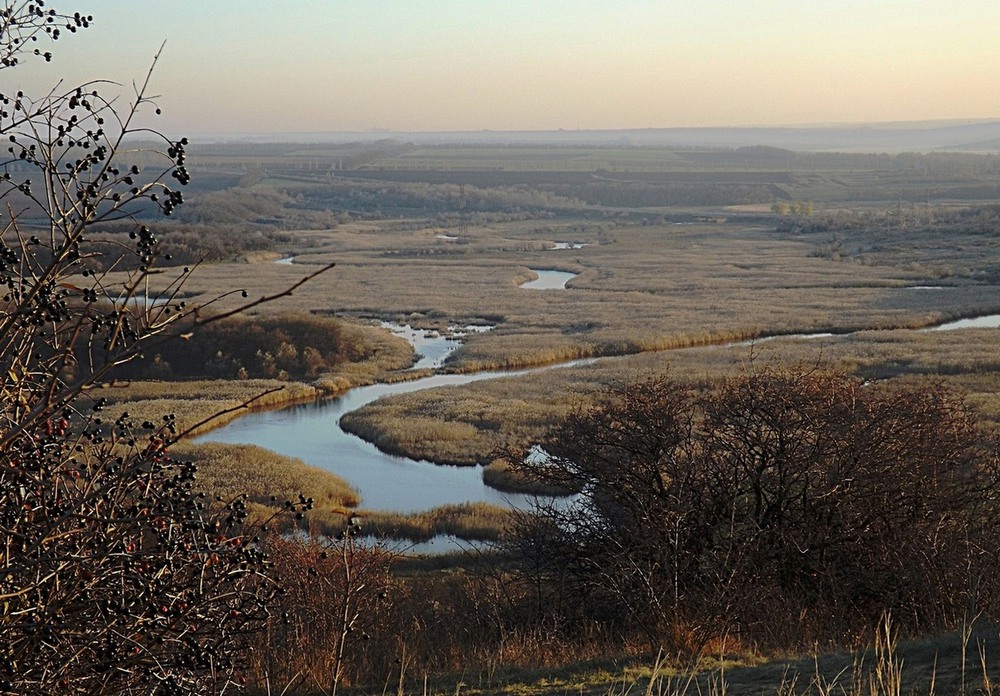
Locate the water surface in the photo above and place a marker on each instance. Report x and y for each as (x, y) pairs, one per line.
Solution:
(989, 321)
(312, 433)
(548, 280)
(433, 347)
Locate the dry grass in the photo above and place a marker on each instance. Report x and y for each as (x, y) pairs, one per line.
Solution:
(195, 402)
(207, 404)
(269, 479)
(518, 410)
(958, 664)
(498, 474)
(639, 288)
(650, 292)
(470, 521)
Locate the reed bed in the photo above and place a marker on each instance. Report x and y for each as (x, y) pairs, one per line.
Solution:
(639, 288)
(498, 474)
(269, 479)
(203, 404)
(477, 418)
(663, 297)
(469, 521)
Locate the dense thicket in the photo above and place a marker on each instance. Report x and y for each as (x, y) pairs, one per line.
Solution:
(783, 506)
(282, 347)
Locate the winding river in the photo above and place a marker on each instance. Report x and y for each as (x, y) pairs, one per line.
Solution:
(312, 431)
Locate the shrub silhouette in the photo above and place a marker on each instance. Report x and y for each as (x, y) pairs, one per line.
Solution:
(114, 576)
(791, 504)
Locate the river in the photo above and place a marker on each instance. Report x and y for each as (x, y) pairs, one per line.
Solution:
(312, 432)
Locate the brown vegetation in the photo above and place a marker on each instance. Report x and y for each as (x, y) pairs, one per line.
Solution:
(518, 409)
(469, 521)
(799, 494)
(562, 594)
(641, 287)
(116, 575)
(199, 405)
(266, 479)
(274, 347)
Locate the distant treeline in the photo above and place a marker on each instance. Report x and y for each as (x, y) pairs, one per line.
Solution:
(976, 219)
(654, 194)
(183, 244)
(389, 197)
(380, 197)
(223, 225)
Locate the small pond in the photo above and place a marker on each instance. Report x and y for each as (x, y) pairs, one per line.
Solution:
(548, 280)
(989, 321)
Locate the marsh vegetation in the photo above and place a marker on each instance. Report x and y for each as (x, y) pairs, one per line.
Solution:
(684, 262)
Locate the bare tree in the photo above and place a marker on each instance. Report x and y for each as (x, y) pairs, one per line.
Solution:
(115, 577)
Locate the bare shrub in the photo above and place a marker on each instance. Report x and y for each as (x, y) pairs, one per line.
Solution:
(783, 505)
(331, 625)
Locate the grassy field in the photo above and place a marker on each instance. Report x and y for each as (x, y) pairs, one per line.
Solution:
(476, 419)
(639, 287)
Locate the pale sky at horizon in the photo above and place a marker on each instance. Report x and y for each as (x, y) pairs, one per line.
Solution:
(250, 66)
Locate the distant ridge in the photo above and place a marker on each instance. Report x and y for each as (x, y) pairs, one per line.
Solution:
(891, 137)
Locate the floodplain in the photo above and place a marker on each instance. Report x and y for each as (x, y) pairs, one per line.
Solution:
(885, 246)
(694, 263)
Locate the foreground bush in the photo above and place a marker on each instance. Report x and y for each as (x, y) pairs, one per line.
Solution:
(339, 597)
(783, 507)
(115, 576)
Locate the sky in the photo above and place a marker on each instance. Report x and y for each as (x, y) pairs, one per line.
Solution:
(248, 66)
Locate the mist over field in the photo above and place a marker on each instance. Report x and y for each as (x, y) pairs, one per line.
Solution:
(892, 137)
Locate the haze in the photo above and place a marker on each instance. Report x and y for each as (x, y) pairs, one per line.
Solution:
(439, 65)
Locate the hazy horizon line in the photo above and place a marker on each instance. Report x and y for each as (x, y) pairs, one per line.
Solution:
(912, 123)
